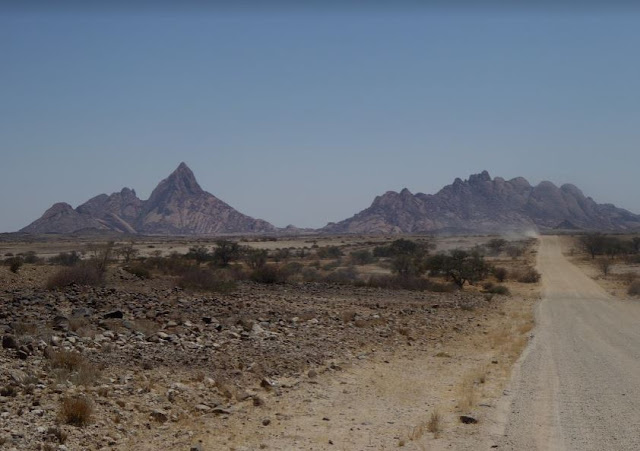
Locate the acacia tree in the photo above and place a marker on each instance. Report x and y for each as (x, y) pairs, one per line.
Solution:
(460, 266)
(226, 252)
(593, 243)
(496, 245)
(199, 253)
(255, 258)
(128, 252)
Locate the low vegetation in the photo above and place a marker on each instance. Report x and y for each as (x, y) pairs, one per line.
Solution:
(408, 264)
(634, 288)
(81, 274)
(76, 411)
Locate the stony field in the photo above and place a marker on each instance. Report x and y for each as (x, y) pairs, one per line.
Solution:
(137, 361)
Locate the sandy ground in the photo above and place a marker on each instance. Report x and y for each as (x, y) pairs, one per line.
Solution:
(577, 387)
(385, 401)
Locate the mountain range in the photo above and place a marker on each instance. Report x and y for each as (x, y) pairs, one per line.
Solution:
(177, 206)
(480, 204)
(485, 205)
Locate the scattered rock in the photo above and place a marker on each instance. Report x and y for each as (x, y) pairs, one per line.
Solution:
(466, 419)
(160, 415)
(115, 314)
(8, 342)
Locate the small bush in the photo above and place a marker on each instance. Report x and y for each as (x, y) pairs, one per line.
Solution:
(205, 280)
(15, 263)
(31, 257)
(332, 265)
(174, 264)
(255, 258)
(67, 360)
(634, 288)
(76, 411)
(329, 252)
(84, 274)
(293, 268)
(344, 276)
(362, 257)
(269, 274)
(139, 271)
(408, 283)
(498, 289)
(72, 366)
(515, 251)
(311, 275)
(529, 276)
(65, 259)
(500, 273)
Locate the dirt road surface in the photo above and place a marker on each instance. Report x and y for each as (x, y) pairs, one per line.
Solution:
(578, 384)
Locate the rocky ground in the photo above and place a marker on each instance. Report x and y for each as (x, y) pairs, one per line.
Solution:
(149, 358)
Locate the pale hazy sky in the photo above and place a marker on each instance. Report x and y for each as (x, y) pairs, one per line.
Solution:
(304, 115)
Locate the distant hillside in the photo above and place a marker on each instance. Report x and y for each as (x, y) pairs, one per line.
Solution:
(178, 206)
(485, 205)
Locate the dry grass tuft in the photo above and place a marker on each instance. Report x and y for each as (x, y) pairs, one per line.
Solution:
(67, 360)
(81, 274)
(467, 393)
(22, 328)
(72, 366)
(417, 432)
(434, 425)
(76, 411)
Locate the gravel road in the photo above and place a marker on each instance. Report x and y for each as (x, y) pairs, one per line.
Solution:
(578, 384)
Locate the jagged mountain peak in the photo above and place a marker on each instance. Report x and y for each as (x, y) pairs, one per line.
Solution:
(182, 180)
(481, 204)
(178, 205)
(481, 177)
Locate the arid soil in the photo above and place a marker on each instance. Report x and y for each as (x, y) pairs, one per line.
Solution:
(294, 366)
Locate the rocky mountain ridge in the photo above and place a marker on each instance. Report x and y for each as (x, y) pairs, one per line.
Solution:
(177, 206)
(485, 205)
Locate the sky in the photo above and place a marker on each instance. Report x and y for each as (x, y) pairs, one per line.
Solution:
(302, 115)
